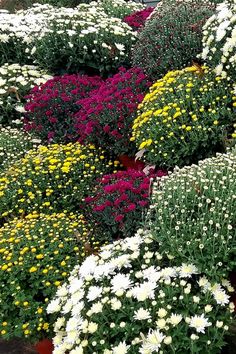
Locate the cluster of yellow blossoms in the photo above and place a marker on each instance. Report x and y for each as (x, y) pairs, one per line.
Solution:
(184, 117)
(37, 254)
(51, 178)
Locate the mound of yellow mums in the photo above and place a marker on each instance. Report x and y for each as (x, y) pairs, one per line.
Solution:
(186, 116)
(51, 178)
(37, 254)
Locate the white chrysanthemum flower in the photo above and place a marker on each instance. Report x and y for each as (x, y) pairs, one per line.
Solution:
(120, 282)
(221, 297)
(199, 323)
(94, 293)
(54, 306)
(142, 314)
(152, 342)
(75, 285)
(96, 308)
(168, 273)
(62, 291)
(121, 348)
(186, 270)
(175, 319)
(144, 291)
(152, 273)
(88, 266)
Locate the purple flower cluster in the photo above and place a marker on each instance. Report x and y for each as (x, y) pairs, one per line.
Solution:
(119, 201)
(137, 19)
(51, 107)
(106, 116)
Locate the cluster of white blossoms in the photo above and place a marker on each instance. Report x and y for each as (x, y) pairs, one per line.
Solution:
(128, 299)
(120, 8)
(219, 40)
(87, 24)
(18, 76)
(192, 214)
(15, 82)
(14, 143)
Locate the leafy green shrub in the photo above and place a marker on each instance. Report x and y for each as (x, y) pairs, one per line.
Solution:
(16, 81)
(128, 299)
(171, 39)
(53, 178)
(37, 255)
(186, 116)
(14, 143)
(193, 215)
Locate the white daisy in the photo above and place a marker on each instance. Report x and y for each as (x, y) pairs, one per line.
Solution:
(199, 323)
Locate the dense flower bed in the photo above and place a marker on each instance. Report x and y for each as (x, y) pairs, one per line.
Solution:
(85, 37)
(51, 107)
(187, 115)
(14, 143)
(120, 97)
(53, 178)
(106, 117)
(192, 215)
(128, 299)
(37, 254)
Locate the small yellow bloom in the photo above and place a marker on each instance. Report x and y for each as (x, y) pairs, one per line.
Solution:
(39, 256)
(45, 326)
(33, 269)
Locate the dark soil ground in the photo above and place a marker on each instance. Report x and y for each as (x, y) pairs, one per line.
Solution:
(15, 347)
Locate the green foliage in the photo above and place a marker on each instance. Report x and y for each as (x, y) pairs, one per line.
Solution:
(173, 36)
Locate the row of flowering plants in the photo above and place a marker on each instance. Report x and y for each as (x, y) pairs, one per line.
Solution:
(89, 36)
